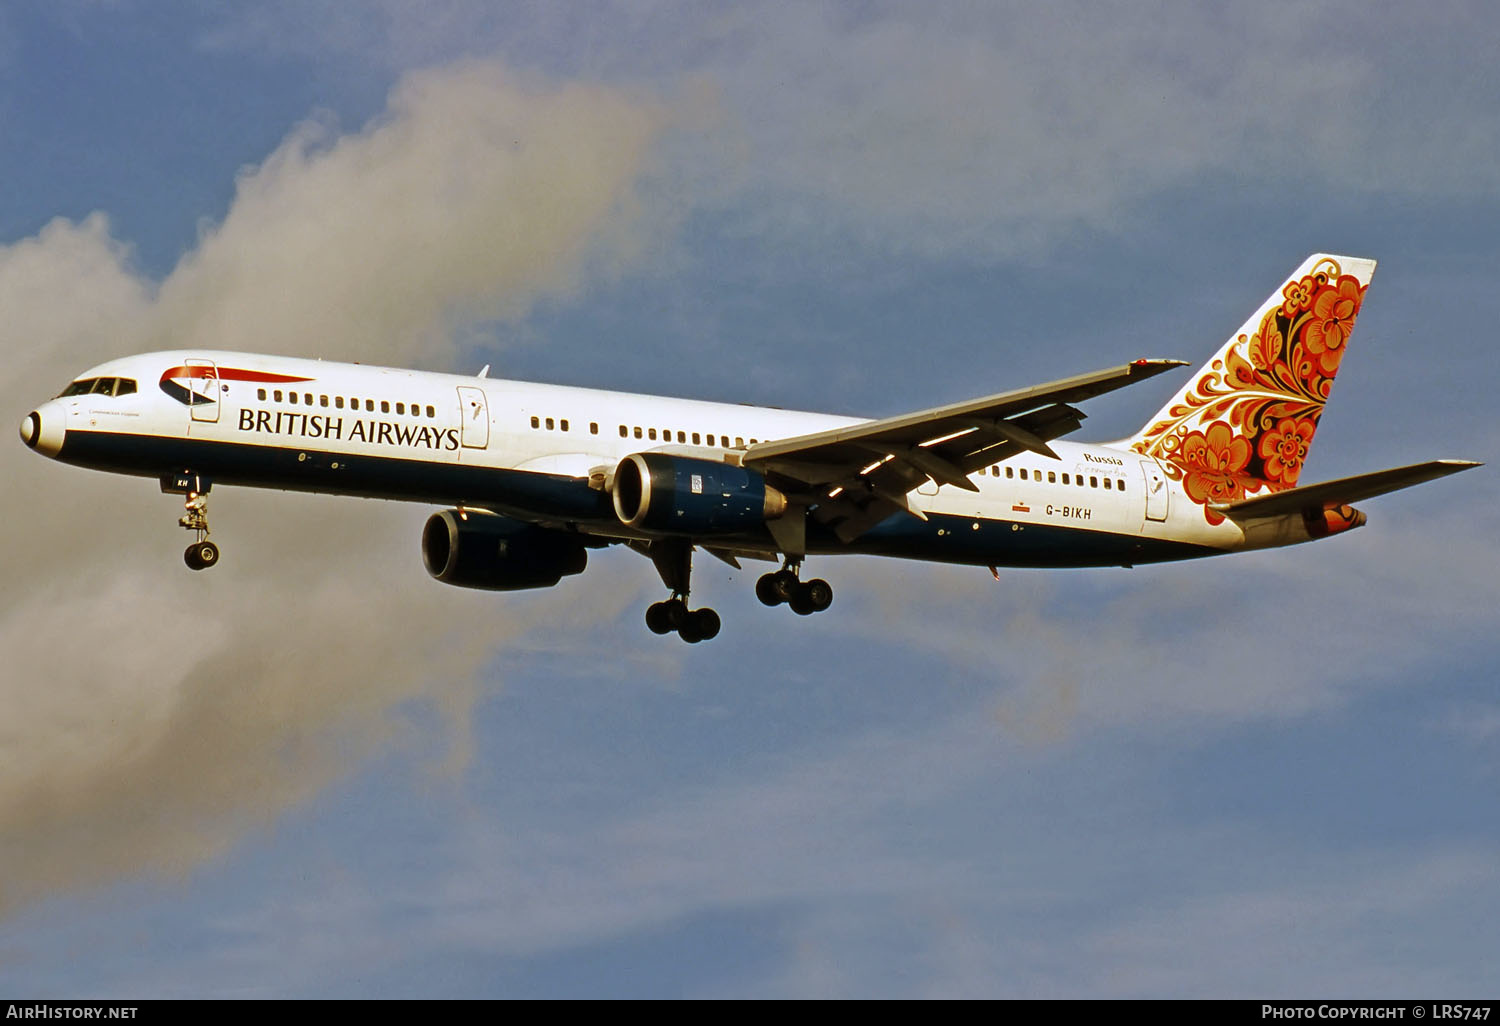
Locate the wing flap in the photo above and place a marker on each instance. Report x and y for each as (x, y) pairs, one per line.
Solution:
(842, 446)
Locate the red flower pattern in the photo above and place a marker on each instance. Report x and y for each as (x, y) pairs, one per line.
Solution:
(1332, 320)
(1284, 447)
(1248, 421)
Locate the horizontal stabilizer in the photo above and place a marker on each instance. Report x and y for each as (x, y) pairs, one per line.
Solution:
(1346, 490)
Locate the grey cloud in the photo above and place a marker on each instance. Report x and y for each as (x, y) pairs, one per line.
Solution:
(1000, 128)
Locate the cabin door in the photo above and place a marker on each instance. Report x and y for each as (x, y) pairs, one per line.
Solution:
(474, 429)
(1157, 492)
(205, 397)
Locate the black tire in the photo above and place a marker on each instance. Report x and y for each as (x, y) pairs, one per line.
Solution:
(766, 591)
(657, 620)
(819, 594)
(689, 633)
(786, 584)
(801, 602)
(201, 555)
(706, 623)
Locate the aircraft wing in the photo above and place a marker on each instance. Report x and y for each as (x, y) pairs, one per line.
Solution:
(857, 476)
(1345, 490)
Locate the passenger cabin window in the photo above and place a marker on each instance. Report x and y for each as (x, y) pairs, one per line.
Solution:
(293, 397)
(651, 433)
(431, 413)
(338, 401)
(260, 393)
(1052, 477)
(696, 436)
(400, 409)
(638, 433)
(549, 423)
(536, 422)
(322, 400)
(624, 431)
(1010, 471)
(593, 428)
(563, 424)
(1023, 473)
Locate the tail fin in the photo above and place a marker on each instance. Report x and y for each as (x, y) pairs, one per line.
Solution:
(1244, 423)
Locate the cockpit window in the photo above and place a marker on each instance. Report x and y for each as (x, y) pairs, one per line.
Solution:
(83, 387)
(100, 386)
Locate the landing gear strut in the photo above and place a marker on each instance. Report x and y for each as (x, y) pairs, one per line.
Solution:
(674, 561)
(203, 553)
(784, 585)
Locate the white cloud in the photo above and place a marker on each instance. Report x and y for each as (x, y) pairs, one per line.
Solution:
(153, 715)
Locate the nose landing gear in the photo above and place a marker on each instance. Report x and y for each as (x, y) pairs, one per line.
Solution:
(203, 553)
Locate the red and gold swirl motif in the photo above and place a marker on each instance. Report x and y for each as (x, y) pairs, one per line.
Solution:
(1248, 421)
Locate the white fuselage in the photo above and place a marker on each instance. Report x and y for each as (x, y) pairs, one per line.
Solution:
(547, 453)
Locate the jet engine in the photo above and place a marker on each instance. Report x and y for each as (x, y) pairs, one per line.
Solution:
(481, 550)
(655, 491)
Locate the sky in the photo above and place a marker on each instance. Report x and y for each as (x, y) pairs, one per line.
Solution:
(316, 772)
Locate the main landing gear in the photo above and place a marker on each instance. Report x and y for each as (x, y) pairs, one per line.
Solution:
(674, 561)
(692, 625)
(203, 553)
(805, 597)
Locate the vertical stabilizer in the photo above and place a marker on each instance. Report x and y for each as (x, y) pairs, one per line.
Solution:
(1244, 423)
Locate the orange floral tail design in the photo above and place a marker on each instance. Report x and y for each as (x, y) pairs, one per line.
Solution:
(1244, 423)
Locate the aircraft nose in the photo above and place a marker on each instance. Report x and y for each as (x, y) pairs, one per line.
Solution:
(42, 429)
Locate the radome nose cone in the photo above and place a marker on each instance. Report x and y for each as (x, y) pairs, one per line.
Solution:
(42, 429)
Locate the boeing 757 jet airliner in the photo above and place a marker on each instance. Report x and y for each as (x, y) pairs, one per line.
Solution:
(536, 475)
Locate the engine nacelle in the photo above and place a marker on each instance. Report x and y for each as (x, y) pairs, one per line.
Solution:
(497, 553)
(654, 491)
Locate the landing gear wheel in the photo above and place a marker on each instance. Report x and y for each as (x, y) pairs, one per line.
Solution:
(819, 594)
(657, 619)
(701, 625)
(705, 623)
(767, 591)
(201, 555)
(785, 584)
(801, 602)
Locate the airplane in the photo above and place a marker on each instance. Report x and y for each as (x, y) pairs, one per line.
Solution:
(533, 475)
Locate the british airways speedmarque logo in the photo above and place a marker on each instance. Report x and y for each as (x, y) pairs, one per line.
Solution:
(196, 384)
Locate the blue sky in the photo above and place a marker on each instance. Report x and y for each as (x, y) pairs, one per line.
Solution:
(316, 772)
